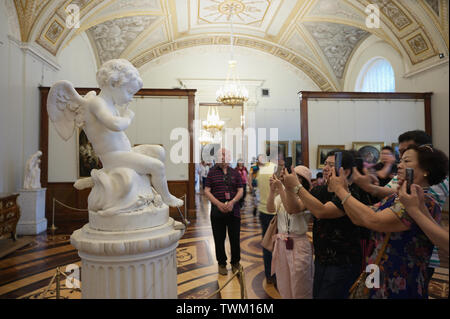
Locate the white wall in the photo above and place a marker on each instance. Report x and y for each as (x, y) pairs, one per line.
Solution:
(22, 71)
(349, 121)
(434, 80)
(77, 63)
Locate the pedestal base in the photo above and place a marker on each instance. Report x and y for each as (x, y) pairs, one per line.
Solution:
(32, 212)
(129, 264)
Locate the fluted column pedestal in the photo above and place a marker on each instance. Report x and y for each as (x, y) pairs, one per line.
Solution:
(129, 264)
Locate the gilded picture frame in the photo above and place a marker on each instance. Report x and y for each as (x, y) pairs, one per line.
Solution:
(322, 151)
(370, 151)
(283, 149)
(297, 153)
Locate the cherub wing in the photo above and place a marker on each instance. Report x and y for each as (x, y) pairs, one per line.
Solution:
(65, 108)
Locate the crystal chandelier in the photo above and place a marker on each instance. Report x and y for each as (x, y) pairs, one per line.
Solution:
(213, 123)
(205, 138)
(232, 92)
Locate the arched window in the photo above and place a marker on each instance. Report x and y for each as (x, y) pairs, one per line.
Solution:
(376, 76)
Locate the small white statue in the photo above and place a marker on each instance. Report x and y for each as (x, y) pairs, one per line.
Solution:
(122, 185)
(32, 178)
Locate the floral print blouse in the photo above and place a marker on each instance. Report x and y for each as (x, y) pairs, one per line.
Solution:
(403, 268)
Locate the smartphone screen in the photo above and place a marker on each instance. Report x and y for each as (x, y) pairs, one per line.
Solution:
(337, 162)
(409, 179)
(288, 163)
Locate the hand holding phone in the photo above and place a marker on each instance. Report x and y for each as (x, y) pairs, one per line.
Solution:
(337, 162)
(288, 164)
(409, 177)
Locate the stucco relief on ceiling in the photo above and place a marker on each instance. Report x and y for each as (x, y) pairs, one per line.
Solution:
(337, 42)
(111, 38)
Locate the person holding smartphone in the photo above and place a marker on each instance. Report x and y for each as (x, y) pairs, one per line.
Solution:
(439, 192)
(403, 268)
(337, 241)
(292, 258)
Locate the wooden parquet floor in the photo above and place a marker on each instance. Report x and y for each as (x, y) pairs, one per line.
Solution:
(26, 272)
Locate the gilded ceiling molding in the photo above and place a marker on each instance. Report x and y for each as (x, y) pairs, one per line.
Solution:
(434, 4)
(247, 12)
(438, 12)
(297, 41)
(55, 31)
(297, 13)
(28, 12)
(336, 9)
(410, 33)
(322, 81)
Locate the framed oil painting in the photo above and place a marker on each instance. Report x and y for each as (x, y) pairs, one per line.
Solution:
(369, 151)
(283, 148)
(297, 153)
(322, 151)
(87, 159)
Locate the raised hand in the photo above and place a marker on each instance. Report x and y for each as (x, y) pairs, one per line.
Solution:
(290, 180)
(337, 182)
(415, 199)
(364, 180)
(275, 183)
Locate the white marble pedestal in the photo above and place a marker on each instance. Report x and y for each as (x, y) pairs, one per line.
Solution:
(32, 211)
(129, 264)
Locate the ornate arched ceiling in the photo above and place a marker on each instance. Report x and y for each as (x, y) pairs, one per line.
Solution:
(316, 36)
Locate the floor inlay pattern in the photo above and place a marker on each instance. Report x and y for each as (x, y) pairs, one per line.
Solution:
(26, 272)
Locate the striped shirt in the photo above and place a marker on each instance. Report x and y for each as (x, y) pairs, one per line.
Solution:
(220, 184)
(439, 192)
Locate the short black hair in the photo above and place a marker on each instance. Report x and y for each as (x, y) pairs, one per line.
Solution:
(388, 148)
(332, 152)
(433, 161)
(418, 136)
(319, 175)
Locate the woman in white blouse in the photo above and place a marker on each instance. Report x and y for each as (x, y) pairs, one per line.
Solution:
(292, 260)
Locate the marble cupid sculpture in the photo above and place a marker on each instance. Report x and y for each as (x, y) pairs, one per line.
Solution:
(132, 178)
(32, 178)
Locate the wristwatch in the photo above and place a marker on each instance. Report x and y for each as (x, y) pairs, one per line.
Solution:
(297, 188)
